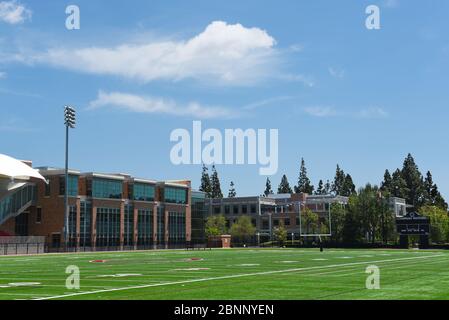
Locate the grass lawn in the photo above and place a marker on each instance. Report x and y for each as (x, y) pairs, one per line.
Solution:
(247, 274)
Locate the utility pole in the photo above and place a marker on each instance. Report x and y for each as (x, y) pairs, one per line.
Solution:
(69, 121)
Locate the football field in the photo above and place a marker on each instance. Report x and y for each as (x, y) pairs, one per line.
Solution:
(240, 274)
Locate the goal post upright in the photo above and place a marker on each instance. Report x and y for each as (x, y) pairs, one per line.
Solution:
(314, 235)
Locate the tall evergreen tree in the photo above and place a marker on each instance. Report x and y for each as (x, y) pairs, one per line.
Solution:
(398, 185)
(386, 184)
(215, 185)
(414, 181)
(268, 189)
(232, 193)
(205, 182)
(339, 180)
(284, 186)
(432, 194)
(304, 184)
(320, 189)
(348, 187)
(327, 187)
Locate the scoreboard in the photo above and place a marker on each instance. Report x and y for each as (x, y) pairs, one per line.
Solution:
(413, 224)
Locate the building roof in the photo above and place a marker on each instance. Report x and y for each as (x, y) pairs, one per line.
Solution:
(11, 168)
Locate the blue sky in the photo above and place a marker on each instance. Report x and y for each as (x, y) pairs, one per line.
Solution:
(337, 92)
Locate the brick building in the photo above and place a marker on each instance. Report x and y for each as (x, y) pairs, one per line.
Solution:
(106, 211)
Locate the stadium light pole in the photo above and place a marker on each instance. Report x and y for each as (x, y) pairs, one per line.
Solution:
(69, 121)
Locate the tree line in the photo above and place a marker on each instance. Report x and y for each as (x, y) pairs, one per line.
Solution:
(366, 217)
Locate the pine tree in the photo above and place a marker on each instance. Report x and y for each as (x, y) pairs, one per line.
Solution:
(432, 194)
(414, 181)
(268, 189)
(320, 189)
(284, 186)
(206, 182)
(327, 187)
(232, 193)
(398, 185)
(215, 185)
(339, 180)
(386, 184)
(304, 185)
(348, 187)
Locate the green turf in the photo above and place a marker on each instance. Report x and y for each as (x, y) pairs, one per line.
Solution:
(249, 274)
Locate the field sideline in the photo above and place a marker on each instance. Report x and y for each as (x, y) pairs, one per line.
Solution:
(241, 274)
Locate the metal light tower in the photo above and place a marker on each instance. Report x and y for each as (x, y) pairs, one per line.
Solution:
(69, 121)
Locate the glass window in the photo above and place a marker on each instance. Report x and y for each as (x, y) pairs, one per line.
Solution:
(227, 209)
(143, 192)
(38, 215)
(287, 222)
(108, 227)
(145, 227)
(253, 208)
(276, 222)
(73, 186)
(177, 227)
(107, 189)
(217, 209)
(175, 195)
(47, 189)
(85, 223)
(244, 209)
(235, 209)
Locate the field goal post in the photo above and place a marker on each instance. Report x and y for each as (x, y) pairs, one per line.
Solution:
(316, 232)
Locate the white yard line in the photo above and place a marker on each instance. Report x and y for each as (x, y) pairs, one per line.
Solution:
(232, 277)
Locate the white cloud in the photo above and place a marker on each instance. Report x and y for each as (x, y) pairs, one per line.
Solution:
(370, 113)
(322, 112)
(364, 113)
(337, 72)
(265, 102)
(13, 12)
(145, 104)
(222, 53)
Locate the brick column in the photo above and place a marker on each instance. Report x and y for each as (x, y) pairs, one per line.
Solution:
(166, 232)
(94, 228)
(155, 225)
(135, 227)
(122, 224)
(78, 223)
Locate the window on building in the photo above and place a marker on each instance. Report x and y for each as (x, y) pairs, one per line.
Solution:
(106, 189)
(254, 222)
(297, 221)
(73, 186)
(175, 195)
(47, 189)
(244, 209)
(38, 215)
(142, 192)
(217, 209)
(235, 209)
(253, 208)
(265, 224)
(287, 222)
(227, 209)
(276, 222)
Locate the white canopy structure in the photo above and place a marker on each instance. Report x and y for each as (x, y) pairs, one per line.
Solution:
(13, 169)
